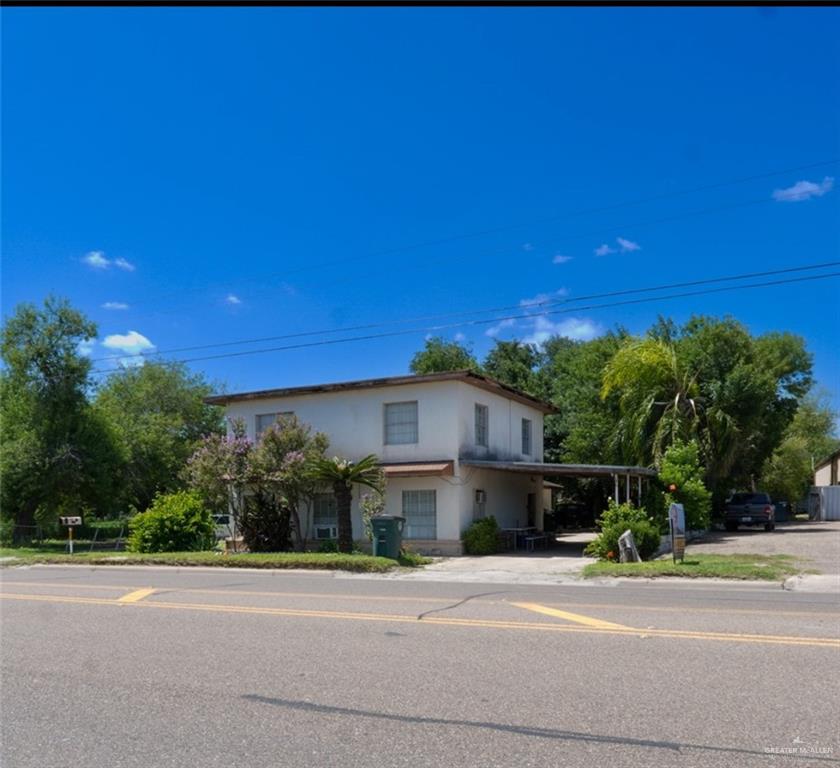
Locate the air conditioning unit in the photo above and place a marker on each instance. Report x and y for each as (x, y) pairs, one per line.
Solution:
(326, 532)
(480, 497)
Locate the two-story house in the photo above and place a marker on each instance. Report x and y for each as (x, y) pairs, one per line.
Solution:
(442, 439)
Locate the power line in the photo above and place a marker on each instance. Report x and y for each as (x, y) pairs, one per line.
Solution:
(440, 316)
(537, 222)
(369, 337)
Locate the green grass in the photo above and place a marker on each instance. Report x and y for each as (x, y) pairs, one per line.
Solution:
(747, 567)
(308, 560)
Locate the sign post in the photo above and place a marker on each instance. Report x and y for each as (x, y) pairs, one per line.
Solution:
(70, 522)
(676, 517)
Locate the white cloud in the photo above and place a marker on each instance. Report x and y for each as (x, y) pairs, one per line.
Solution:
(580, 329)
(114, 305)
(560, 259)
(288, 289)
(232, 299)
(459, 337)
(86, 347)
(542, 298)
(494, 330)
(627, 246)
(527, 247)
(124, 264)
(804, 190)
(96, 259)
(132, 343)
(603, 250)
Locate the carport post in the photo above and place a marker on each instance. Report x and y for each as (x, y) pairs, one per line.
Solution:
(627, 487)
(639, 485)
(615, 482)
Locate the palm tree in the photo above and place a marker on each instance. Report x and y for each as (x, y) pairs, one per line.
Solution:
(342, 474)
(658, 398)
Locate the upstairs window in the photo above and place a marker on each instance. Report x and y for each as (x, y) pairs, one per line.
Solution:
(265, 420)
(401, 423)
(526, 437)
(481, 423)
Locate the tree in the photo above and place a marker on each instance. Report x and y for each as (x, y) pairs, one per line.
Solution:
(57, 455)
(658, 398)
(221, 469)
(441, 356)
(515, 364)
(158, 415)
(342, 475)
(282, 462)
(789, 471)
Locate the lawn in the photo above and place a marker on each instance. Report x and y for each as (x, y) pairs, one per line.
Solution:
(747, 567)
(309, 560)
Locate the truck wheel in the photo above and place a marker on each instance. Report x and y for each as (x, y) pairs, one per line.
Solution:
(730, 526)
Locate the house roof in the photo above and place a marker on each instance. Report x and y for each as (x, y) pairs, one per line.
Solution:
(475, 379)
(827, 460)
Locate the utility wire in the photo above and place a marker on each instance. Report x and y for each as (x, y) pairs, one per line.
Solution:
(535, 222)
(423, 318)
(369, 337)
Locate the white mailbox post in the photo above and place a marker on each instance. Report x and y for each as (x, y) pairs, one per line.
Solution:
(70, 523)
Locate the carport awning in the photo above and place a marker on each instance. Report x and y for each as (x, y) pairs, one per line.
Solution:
(427, 469)
(560, 470)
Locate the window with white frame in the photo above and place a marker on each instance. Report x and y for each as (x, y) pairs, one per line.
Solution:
(419, 509)
(324, 516)
(482, 417)
(401, 423)
(265, 420)
(526, 437)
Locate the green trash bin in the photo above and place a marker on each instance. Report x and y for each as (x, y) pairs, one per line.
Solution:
(387, 535)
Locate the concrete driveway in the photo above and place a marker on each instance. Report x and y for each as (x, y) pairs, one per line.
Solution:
(561, 563)
(815, 543)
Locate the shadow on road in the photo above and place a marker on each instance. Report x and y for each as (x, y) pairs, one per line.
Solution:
(522, 730)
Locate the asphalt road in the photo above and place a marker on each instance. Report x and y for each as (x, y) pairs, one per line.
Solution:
(119, 667)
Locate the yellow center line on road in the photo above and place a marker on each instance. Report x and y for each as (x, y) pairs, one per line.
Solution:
(251, 593)
(577, 618)
(816, 642)
(137, 595)
(435, 600)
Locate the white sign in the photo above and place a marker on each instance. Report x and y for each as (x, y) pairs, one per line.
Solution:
(676, 517)
(70, 520)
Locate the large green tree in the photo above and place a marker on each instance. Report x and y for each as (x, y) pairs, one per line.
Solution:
(158, 415)
(57, 455)
(515, 364)
(441, 356)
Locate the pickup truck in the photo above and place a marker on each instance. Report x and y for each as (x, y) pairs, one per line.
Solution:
(749, 509)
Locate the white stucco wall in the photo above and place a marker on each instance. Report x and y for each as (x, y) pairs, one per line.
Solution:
(505, 426)
(354, 419)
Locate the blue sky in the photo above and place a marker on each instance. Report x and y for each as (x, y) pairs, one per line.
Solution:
(193, 176)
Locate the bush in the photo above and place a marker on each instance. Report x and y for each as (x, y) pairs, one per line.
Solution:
(482, 537)
(614, 521)
(176, 522)
(681, 467)
(265, 523)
